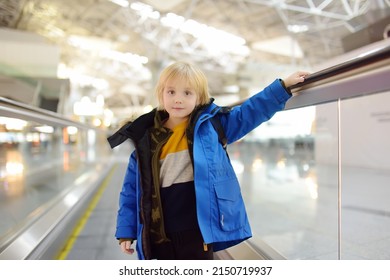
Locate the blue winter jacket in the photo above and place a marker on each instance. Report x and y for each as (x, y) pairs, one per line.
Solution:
(221, 212)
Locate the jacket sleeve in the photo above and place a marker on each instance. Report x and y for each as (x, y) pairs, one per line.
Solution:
(254, 111)
(127, 214)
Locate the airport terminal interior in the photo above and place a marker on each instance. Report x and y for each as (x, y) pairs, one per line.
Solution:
(315, 178)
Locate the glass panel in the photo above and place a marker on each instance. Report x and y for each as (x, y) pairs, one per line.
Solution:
(365, 158)
(289, 179)
(37, 162)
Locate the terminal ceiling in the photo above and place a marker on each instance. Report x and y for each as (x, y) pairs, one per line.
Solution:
(149, 34)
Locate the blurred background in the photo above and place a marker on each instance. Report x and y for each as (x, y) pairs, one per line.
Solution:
(315, 178)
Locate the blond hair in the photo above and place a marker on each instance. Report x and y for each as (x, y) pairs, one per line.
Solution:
(191, 74)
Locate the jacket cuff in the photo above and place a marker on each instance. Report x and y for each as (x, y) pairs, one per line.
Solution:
(279, 92)
(125, 239)
(284, 86)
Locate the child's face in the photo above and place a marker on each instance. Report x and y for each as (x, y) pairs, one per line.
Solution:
(179, 99)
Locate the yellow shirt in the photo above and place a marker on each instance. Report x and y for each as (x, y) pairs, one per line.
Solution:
(175, 161)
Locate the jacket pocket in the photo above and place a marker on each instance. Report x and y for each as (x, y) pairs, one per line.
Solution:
(230, 205)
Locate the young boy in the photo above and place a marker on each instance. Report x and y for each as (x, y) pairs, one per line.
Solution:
(180, 197)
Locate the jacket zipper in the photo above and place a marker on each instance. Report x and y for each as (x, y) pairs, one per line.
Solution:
(155, 158)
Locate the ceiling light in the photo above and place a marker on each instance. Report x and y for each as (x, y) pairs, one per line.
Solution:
(297, 28)
(145, 10)
(122, 3)
(172, 20)
(89, 43)
(124, 57)
(215, 40)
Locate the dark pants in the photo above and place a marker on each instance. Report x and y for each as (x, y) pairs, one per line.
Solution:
(184, 245)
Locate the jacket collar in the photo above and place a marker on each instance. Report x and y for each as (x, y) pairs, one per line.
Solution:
(133, 130)
(136, 129)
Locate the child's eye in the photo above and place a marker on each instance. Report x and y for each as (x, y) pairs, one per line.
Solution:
(188, 92)
(171, 92)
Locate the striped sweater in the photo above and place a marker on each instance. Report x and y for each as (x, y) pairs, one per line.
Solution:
(177, 182)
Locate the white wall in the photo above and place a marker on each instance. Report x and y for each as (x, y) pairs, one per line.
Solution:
(27, 54)
(364, 132)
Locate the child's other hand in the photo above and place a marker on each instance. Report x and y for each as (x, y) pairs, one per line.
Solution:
(295, 78)
(126, 247)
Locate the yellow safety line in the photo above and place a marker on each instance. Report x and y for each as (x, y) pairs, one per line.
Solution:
(84, 218)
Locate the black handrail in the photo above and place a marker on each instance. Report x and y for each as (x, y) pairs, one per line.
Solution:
(371, 57)
(370, 83)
